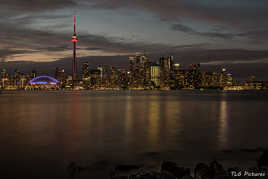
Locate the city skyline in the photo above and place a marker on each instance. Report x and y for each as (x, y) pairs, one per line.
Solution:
(140, 74)
(192, 31)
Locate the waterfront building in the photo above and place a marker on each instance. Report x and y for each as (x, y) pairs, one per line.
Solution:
(5, 80)
(85, 70)
(225, 78)
(253, 84)
(194, 76)
(165, 67)
(180, 77)
(60, 75)
(166, 63)
(33, 74)
(209, 80)
(155, 75)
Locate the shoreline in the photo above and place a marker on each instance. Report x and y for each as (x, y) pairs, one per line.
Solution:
(213, 168)
(136, 90)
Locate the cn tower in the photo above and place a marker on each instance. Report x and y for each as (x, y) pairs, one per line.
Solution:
(74, 40)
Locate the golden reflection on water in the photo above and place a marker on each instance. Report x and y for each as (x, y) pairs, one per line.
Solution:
(173, 115)
(153, 118)
(223, 125)
(128, 115)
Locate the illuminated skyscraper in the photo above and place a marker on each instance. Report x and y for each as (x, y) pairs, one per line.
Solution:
(4, 78)
(194, 76)
(155, 75)
(166, 65)
(85, 70)
(225, 78)
(60, 75)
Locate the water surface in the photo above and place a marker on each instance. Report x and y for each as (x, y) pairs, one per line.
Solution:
(41, 132)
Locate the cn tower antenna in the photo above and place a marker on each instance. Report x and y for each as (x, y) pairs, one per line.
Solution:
(74, 25)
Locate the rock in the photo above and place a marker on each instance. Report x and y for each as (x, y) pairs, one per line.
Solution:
(167, 176)
(153, 175)
(202, 171)
(124, 170)
(72, 169)
(187, 177)
(263, 160)
(127, 167)
(172, 168)
(120, 177)
(217, 170)
(167, 165)
(146, 175)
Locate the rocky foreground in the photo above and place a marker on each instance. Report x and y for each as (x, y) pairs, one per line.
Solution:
(171, 170)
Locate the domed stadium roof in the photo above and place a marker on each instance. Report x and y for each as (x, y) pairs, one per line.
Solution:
(39, 80)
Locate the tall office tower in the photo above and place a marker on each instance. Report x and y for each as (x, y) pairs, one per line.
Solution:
(101, 70)
(229, 79)
(23, 80)
(57, 72)
(131, 63)
(194, 76)
(215, 79)
(166, 69)
(226, 78)
(16, 78)
(138, 58)
(4, 73)
(74, 65)
(84, 70)
(223, 78)
(33, 74)
(60, 75)
(4, 78)
(166, 63)
(155, 75)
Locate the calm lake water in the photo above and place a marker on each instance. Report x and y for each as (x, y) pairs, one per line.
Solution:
(42, 132)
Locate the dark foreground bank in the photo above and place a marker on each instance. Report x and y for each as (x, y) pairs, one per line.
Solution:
(171, 170)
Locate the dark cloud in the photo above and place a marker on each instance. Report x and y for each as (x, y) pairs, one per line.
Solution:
(186, 29)
(166, 9)
(239, 13)
(15, 36)
(256, 36)
(22, 6)
(6, 52)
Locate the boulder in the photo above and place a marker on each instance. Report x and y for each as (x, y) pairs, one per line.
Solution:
(146, 175)
(187, 177)
(72, 169)
(263, 160)
(217, 170)
(202, 171)
(124, 171)
(152, 175)
(171, 167)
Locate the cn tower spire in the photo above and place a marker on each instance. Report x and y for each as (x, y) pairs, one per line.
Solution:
(74, 65)
(74, 25)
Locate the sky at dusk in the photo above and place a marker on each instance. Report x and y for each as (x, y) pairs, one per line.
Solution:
(209, 32)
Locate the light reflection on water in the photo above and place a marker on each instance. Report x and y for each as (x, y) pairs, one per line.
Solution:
(51, 129)
(223, 127)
